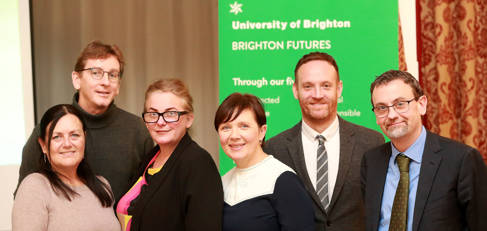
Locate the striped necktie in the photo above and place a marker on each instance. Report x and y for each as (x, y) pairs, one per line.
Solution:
(322, 172)
(399, 212)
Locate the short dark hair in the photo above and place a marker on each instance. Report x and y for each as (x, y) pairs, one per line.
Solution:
(48, 122)
(392, 75)
(233, 106)
(315, 56)
(99, 50)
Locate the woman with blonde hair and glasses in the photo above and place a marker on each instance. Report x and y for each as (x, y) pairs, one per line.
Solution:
(179, 187)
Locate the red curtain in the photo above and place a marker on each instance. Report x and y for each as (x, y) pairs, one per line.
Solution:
(452, 50)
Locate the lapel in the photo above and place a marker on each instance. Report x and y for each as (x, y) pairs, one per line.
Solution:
(378, 164)
(157, 180)
(429, 165)
(347, 144)
(294, 147)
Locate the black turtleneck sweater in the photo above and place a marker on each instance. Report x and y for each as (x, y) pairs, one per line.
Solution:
(115, 143)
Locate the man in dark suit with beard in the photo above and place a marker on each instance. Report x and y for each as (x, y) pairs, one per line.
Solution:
(419, 180)
(323, 149)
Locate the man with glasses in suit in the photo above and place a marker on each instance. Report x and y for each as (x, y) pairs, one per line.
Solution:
(419, 180)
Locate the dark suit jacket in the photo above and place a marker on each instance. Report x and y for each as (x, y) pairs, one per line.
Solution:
(346, 211)
(186, 194)
(452, 187)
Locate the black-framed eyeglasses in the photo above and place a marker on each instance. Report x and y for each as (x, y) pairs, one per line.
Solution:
(98, 73)
(400, 107)
(168, 116)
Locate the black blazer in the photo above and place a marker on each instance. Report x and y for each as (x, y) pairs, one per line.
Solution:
(186, 194)
(346, 211)
(452, 187)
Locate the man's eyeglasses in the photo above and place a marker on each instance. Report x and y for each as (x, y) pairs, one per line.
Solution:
(168, 116)
(98, 73)
(400, 107)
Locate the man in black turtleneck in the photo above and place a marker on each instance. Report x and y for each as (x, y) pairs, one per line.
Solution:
(115, 139)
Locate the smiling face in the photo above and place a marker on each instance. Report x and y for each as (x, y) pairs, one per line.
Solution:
(96, 95)
(67, 146)
(317, 90)
(399, 126)
(240, 138)
(164, 133)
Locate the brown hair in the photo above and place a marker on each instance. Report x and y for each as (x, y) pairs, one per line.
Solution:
(99, 50)
(315, 56)
(392, 75)
(233, 106)
(175, 86)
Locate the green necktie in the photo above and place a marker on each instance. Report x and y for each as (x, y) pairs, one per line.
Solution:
(399, 213)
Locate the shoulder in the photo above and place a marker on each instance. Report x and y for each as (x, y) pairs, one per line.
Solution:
(288, 185)
(360, 130)
(194, 158)
(35, 178)
(194, 152)
(32, 203)
(128, 118)
(288, 179)
(130, 122)
(377, 151)
(278, 167)
(284, 136)
(271, 169)
(258, 180)
(446, 142)
(34, 182)
(456, 157)
(265, 173)
(447, 146)
(125, 114)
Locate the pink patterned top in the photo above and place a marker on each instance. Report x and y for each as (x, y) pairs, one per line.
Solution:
(124, 203)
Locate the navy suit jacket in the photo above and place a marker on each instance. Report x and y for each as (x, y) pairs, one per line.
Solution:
(452, 187)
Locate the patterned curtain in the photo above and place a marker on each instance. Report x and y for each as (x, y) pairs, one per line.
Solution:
(452, 46)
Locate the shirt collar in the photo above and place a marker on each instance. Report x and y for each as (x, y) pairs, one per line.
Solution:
(415, 151)
(328, 133)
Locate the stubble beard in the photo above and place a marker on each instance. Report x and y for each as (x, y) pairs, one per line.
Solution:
(397, 132)
(325, 114)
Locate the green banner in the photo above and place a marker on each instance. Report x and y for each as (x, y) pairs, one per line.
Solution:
(260, 43)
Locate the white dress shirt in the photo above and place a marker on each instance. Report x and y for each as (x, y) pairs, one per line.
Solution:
(310, 148)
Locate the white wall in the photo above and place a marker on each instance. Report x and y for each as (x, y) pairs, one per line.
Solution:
(16, 98)
(407, 13)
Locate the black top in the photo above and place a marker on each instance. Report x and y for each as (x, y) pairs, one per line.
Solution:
(266, 198)
(278, 211)
(185, 195)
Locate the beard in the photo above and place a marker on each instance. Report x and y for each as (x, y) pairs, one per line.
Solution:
(397, 131)
(317, 113)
